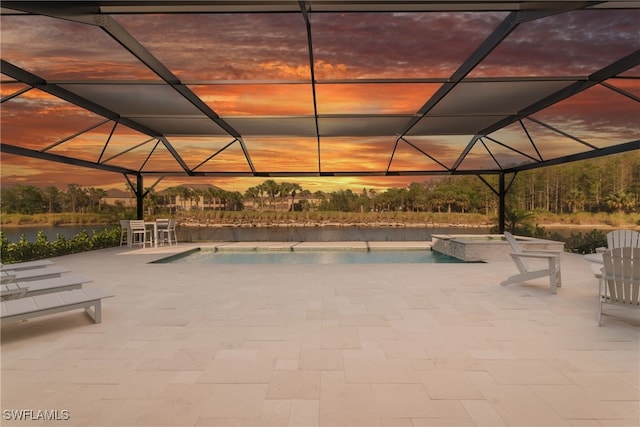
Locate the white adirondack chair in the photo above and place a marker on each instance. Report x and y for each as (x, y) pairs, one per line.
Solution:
(519, 256)
(620, 281)
(621, 238)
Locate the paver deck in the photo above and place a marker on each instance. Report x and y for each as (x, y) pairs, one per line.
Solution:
(324, 345)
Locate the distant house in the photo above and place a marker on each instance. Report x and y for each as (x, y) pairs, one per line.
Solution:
(197, 200)
(116, 197)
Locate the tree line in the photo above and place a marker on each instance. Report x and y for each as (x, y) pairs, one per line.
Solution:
(607, 184)
(29, 199)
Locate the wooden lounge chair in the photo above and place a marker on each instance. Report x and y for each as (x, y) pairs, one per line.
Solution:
(43, 286)
(620, 281)
(519, 256)
(42, 305)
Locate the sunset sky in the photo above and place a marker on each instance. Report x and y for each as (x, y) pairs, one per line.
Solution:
(374, 71)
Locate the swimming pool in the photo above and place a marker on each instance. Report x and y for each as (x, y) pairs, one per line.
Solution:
(203, 256)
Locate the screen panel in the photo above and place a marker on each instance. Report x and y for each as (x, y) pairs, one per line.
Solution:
(240, 46)
(36, 119)
(362, 125)
(365, 154)
(370, 98)
(396, 45)
(257, 99)
(58, 50)
(575, 43)
(598, 116)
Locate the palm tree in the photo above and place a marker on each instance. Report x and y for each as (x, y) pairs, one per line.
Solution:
(185, 194)
(151, 201)
(575, 200)
(234, 200)
(252, 193)
(262, 189)
(95, 195)
(214, 196)
(295, 188)
(171, 193)
(271, 188)
(514, 217)
(619, 201)
(284, 190)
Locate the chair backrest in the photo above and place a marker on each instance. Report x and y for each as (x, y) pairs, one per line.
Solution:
(162, 223)
(124, 223)
(172, 224)
(516, 249)
(137, 224)
(515, 246)
(621, 238)
(621, 275)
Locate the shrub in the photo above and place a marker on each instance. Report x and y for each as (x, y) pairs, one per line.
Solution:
(582, 243)
(22, 250)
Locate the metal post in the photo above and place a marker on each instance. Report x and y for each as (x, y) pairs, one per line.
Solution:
(502, 192)
(139, 197)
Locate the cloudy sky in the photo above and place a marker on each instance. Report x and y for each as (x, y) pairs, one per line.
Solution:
(232, 62)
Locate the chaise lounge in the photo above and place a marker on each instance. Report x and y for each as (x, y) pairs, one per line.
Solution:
(51, 303)
(43, 286)
(27, 265)
(27, 275)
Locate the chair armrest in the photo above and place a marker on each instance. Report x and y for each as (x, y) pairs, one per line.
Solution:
(539, 255)
(597, 270)
(554, 253)
(601, 250)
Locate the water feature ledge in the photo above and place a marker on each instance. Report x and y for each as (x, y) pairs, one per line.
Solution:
(487, 247)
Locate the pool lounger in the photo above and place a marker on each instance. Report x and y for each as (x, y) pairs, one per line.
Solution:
(43, 286)
(7, 277)
(37, 273)
(28, 265)
(42, 305)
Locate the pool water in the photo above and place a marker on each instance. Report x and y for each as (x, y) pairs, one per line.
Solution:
(312, 257)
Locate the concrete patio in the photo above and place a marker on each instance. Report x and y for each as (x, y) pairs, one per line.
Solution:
(325, 345)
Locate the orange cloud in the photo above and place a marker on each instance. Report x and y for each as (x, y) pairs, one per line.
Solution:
(388, 98)
(255, 99)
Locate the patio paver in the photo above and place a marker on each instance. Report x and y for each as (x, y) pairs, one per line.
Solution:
(325, 345)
